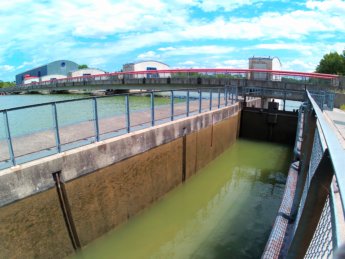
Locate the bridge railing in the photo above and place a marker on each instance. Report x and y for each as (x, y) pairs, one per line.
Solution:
(204, 73)
(315, 225)
(35, 131)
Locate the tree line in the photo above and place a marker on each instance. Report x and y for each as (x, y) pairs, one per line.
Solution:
(332, 63)
(6, 84)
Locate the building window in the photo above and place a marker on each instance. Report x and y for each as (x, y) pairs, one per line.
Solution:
(63, 64)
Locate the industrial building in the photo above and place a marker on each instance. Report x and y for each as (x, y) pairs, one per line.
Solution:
(267, 64)
(144, 66)
(86, 72)
(30, 79)
(59, 67)
(51, 77)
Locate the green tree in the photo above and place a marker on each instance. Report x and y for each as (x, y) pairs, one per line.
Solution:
(7, 84)
(332, 63)
(82, 66)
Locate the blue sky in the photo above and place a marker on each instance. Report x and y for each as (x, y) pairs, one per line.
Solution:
(182, 33)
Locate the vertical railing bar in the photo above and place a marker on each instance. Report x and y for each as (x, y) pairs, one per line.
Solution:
(152, 109)
(226, 95)
(210, 99)
(56, 126)
(236, 94)
(200, 93)
(187, 105)
(218, 98)
(232, 95)
(9, 139)
(128, 122)
(172, 105)
(96, 118)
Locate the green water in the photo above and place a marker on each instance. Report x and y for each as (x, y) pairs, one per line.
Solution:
(225, 211)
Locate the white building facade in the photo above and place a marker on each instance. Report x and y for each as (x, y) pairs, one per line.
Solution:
(87, 72)
(52, 77)
(150, 66)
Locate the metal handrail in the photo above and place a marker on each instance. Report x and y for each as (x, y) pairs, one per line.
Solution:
(169, 72)
(227, 92)
(106, 96)
(336, 150)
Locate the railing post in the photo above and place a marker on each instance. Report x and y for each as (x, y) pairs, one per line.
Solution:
(226, 95)
(128, 119)
(232, 95)
(236, 94)
(315, 201)
(152, 109)
(200, 93)
(309, 126)
(322, 100)
(187, 104)
(218, 98)
(96, 118)
(210, 99)
(172, 105)
(284, 97)
(9, 139)
(56, 126)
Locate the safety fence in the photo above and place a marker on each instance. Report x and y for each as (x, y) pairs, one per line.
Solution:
(35, 131)
(314, 224)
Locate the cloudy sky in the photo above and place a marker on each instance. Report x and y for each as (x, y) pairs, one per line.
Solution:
(182, 33)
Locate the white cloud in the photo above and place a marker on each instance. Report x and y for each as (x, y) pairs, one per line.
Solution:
(236, 63)
(167, 49)
(305, 49)
(149, 55)
(332, 6)
(187, 63)
(214, 5)
(7, 68)
(195, 50)
(299, 65)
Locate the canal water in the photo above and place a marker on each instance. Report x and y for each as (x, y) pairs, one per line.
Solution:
(225, 211)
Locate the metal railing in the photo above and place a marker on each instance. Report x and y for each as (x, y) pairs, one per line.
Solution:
(318, 208)
(324, 99)
(35, 131)
(166, 76)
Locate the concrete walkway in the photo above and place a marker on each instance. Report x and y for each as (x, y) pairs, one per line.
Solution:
(337, 121)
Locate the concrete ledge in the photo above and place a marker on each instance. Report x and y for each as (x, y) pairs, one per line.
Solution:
(27, 179)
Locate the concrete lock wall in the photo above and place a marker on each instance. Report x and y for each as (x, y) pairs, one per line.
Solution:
(105, 183)
(278, 126)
